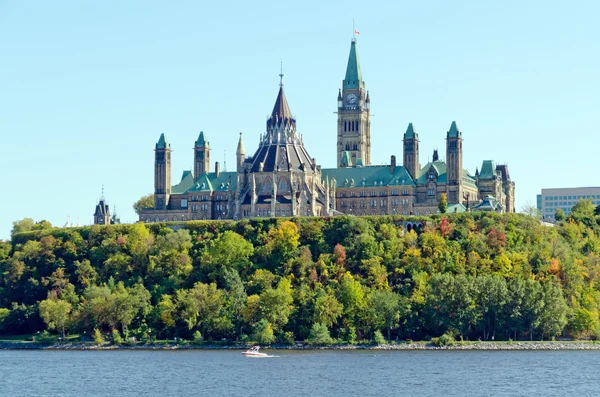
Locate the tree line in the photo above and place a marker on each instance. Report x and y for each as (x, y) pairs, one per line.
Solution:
(347, 279)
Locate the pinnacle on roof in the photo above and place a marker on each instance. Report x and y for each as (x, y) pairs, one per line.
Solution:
(410, 131)
(162, 142)
(453, 132)
(240, 147)
(281, 111)
(340, 95)
(353, 74)
(346, 159)
(201, 140)
(281, 108)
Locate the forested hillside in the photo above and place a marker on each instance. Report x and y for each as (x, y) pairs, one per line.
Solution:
(473, 275)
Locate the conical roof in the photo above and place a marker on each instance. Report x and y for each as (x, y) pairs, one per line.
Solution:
(353, 74)
(162, 142)
(453, 132)
(201, 140)
(281, 111)
(410, 131)
(240, 148)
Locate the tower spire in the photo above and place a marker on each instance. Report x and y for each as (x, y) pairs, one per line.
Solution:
(353, 73)
(281, 73)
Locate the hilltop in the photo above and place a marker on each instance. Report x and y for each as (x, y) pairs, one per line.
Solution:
(344, 279)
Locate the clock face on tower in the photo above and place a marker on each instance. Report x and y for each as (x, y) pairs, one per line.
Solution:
(351, 99)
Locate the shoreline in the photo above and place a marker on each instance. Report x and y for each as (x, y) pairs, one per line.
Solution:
(484, 346)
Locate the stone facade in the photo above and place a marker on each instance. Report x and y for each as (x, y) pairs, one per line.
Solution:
(281, 179)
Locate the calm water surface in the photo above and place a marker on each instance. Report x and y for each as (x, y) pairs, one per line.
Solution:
(306, 373)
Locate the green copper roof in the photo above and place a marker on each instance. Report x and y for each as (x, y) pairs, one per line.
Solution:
(439, 168)
(208, 182)
(488, 170)
(455, 208)
(162, 142)
(201, 141)
(353, 74)
(453, 132)
(410, 131)
(346, 159)
(368, 176)
(489, 203)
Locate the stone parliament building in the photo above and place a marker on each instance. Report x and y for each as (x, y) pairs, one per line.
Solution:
(281, 179)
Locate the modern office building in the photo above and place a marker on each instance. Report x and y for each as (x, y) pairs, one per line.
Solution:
(564, 198)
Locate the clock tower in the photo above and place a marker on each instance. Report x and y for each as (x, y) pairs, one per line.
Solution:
(354, 121)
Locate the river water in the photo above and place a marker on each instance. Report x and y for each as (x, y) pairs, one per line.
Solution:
(299, 373)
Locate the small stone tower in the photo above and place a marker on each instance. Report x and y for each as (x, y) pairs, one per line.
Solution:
(240, 155)
(162, 173)
(454, 163)
(354, 117)
(201, 156)
(102, 213)
(411, 152)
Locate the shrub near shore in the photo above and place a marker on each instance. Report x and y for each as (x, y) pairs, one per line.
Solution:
(472, 276)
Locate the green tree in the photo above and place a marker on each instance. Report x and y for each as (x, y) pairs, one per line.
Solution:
(386, 305)
(491, 294)
(263, 332)
(56, 314)
(553, 316)
(319, 335)
(327, 309)
(3, 315)
(584, 212)
(559, 215)
(145, 202)
(443, 203)
(231, 251)
(276, 304)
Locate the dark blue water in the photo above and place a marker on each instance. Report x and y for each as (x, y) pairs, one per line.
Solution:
(314, 373)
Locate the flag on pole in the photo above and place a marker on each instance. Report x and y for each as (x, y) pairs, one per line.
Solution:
(356, 32)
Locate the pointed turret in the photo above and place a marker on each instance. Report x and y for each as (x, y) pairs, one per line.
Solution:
(275, 152)
(240, 154)
(346, 160)
(353, 74)
(201, 156)
(411, 151)
(454, 168)
(453, 132)
(201, 141)
(162, 173)
(410, 131)
(354, 124)
(281, 111)
(162, 142)
(102, 212)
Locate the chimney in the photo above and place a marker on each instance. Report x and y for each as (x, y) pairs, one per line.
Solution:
(217, 169)
(436, 157)
(393, 165)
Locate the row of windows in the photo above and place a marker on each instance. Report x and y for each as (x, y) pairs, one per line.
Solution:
(567, 203)
(373, 193)
(589, 196)
(350, 125)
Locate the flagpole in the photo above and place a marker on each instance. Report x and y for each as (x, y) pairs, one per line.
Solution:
(353, 30)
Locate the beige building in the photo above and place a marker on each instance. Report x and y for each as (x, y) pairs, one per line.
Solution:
(564, 198)
(282, 179)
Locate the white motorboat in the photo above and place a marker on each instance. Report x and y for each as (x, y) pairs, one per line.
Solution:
(253, 352)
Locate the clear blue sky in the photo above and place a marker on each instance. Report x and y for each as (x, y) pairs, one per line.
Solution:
(87, 87)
